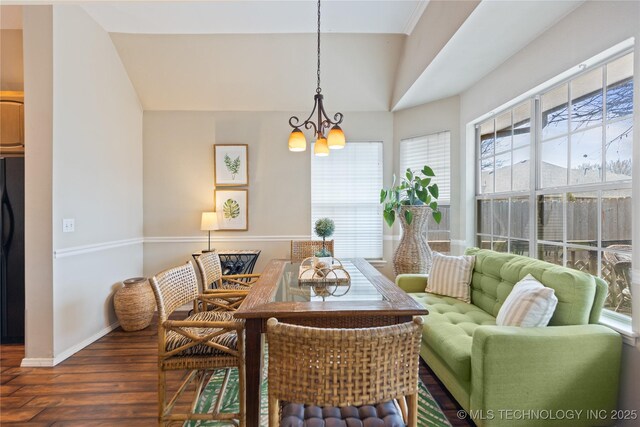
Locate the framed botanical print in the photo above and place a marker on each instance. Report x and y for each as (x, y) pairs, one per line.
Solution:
(231, 165)
(232, 207)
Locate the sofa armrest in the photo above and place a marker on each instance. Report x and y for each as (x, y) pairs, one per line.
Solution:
(570, 368)
(412, 282)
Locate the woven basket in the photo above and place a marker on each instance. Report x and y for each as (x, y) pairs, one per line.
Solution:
(134, 304)
(413, 254)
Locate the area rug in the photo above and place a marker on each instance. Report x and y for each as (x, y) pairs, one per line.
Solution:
(429, 413)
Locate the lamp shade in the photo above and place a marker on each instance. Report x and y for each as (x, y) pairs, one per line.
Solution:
(336, 138)
(297, 140)
(209, 221)
(321, 148)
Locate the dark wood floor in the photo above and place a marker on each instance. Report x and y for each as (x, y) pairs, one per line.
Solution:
(112, 382)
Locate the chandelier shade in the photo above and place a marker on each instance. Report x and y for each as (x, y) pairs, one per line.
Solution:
(324, 124)
(321, 148)
(297, 140)
(336, 138)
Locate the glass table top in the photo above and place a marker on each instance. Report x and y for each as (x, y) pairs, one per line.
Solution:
(358, 289)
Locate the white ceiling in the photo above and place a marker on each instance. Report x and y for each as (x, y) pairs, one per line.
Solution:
(258, 16)
(494, 31)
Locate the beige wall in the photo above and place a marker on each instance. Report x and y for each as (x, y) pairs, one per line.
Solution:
(38, 86)
(565, 45)
(97, 177)
(178, 180)
(11, 68)
(259, 72)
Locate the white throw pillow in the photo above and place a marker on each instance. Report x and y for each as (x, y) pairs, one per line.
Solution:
(450, 276)
(530, 304)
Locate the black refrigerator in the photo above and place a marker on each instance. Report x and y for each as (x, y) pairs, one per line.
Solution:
(12, 250)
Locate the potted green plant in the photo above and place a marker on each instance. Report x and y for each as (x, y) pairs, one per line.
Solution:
(412, 200)
(324, 228)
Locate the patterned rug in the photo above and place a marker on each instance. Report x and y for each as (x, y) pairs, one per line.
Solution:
(429, 413)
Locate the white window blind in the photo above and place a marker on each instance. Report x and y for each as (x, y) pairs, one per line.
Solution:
(432, 150)
(345, 186)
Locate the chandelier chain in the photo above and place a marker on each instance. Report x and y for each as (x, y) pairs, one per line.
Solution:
(324, 122)
(318, 90)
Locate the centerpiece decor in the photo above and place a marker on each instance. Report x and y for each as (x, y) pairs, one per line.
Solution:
(314, 270)
(324, 228)
(413, 200)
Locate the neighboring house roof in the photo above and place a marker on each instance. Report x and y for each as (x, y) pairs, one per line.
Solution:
(551, 176)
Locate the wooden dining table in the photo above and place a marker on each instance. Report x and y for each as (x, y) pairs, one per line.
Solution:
(368, 300)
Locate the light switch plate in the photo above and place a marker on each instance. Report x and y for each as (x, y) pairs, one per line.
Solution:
(68, 225)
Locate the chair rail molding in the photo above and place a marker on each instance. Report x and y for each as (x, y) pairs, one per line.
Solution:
(96, 247)
(226, 238)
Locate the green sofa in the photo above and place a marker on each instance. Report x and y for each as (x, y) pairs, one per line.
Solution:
(563, 374)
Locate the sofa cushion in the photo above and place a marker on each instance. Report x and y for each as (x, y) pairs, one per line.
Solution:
(530, 304)
(450, 276)
(384, 414)
(448, 330)
(495, 274)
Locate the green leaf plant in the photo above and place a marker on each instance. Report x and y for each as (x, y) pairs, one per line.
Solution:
(233, 166)
(415, 189)
(324, 228)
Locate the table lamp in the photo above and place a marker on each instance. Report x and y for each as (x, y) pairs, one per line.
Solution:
(209, 222)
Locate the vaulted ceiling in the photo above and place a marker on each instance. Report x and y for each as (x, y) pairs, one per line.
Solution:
(260, 55)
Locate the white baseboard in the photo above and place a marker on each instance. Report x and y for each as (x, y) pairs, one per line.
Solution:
(39, 362)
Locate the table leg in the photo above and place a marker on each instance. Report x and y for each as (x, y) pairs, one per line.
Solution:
(253, 337)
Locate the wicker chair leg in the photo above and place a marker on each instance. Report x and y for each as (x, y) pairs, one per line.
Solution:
(242, 408)
(402, 403)
(223, 388)
(274, 412)
(201, 381)
(413, 410)
(161, 396)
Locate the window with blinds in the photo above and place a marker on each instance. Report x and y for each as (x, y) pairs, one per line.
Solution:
(432, 150)
(345, 186)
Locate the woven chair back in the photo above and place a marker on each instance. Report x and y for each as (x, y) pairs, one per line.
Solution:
(343, 367)
(301, 249)
(174, 288)
(210, 269)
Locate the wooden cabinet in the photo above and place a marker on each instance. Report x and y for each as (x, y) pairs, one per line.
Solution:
(11, 124)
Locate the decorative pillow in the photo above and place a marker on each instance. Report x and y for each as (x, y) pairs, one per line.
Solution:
(530, 304)
(450, 276)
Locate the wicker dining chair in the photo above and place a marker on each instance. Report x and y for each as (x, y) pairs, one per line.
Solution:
(344, 372)
(200, 343)
(213, 281)
(301, 249)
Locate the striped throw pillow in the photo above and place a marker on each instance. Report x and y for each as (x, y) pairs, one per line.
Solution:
(530, 304)
(450, 276)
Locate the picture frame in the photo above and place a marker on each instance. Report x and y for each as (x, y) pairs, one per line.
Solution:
(232, 207)
(231, 165)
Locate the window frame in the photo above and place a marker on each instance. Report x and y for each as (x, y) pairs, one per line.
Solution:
(535, 188)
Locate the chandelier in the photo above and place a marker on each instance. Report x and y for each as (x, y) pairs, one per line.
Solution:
(335, 139)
